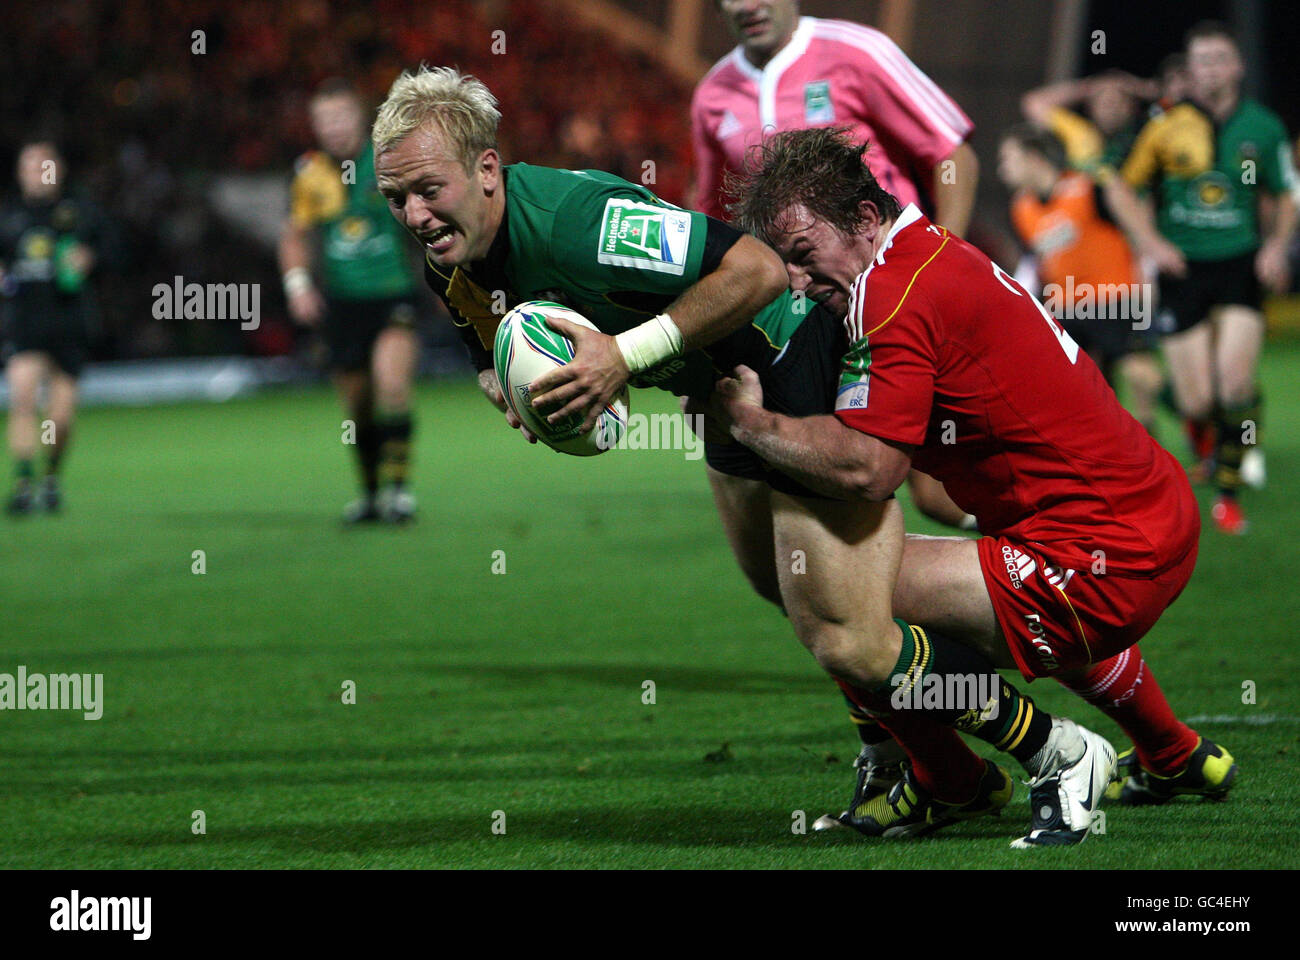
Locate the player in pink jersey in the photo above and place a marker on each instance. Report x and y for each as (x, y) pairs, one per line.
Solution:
(791, 72)
(1090, 527)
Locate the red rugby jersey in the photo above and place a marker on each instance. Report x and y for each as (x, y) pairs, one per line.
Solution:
(953, 356)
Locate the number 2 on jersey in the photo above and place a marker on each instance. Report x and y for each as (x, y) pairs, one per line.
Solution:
(1064, 339)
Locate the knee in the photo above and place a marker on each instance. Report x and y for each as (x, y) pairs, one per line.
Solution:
(864, 659)
(1143, 377)
(392, 397)
(1197, 407)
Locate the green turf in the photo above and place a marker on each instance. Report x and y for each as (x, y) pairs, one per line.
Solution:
(520, 692)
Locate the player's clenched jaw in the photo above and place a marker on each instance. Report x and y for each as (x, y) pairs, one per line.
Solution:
(822, 260)
(454, 212)
(811, 196)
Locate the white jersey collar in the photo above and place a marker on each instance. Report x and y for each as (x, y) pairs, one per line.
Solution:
(791, 52)
(911, 213)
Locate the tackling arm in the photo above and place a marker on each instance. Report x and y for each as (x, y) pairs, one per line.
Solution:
(820, 452)
(748, 278)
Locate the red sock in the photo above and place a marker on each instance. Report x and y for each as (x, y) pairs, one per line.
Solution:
(1201, 437)
(943, 765)
(1125, 689)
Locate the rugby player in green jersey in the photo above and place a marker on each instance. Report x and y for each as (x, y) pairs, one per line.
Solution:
(1214, 162)
(365, 306)
(679, 296)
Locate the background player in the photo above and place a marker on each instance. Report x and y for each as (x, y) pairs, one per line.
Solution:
(367, 311)
(1212, 160)
(791, 72)
(48, 248)
(1103, 133)
(1061, 217)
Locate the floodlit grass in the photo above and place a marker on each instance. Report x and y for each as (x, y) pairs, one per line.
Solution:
(521, 693)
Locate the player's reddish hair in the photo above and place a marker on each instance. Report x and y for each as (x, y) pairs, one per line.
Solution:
(823, 170)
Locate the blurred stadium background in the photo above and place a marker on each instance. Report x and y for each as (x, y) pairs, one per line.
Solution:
(190, 155)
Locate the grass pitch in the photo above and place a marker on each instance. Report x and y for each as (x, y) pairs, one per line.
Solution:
(484, 698)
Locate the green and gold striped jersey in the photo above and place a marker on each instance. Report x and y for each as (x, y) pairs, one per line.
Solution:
(362, 253)
(1207, 176)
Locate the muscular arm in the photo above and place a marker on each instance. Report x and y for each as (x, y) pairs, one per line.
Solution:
(749, 277)
(820, 452)
(953, 189)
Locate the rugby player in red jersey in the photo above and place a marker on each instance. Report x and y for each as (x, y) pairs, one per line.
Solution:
(1089, 527)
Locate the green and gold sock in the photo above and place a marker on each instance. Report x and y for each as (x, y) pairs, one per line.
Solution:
(959, 687)
(1238, 428)
(395, 431)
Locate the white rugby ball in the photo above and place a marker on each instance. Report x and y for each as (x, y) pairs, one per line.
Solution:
(525, 348)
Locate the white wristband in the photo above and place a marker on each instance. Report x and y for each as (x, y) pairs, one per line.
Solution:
(296, 281)
(650, 344)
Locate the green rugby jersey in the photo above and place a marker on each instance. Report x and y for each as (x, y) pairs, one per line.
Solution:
(363, 256)
(617, 254)
(1207, 176)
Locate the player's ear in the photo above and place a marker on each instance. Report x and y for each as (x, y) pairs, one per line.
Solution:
(489, 169)
(870, 218)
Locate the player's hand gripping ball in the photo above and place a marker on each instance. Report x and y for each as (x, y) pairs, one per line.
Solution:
(525, 348)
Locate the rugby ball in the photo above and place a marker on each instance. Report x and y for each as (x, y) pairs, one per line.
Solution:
(525, 348)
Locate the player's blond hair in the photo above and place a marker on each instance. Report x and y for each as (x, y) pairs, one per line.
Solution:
(461, 105)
